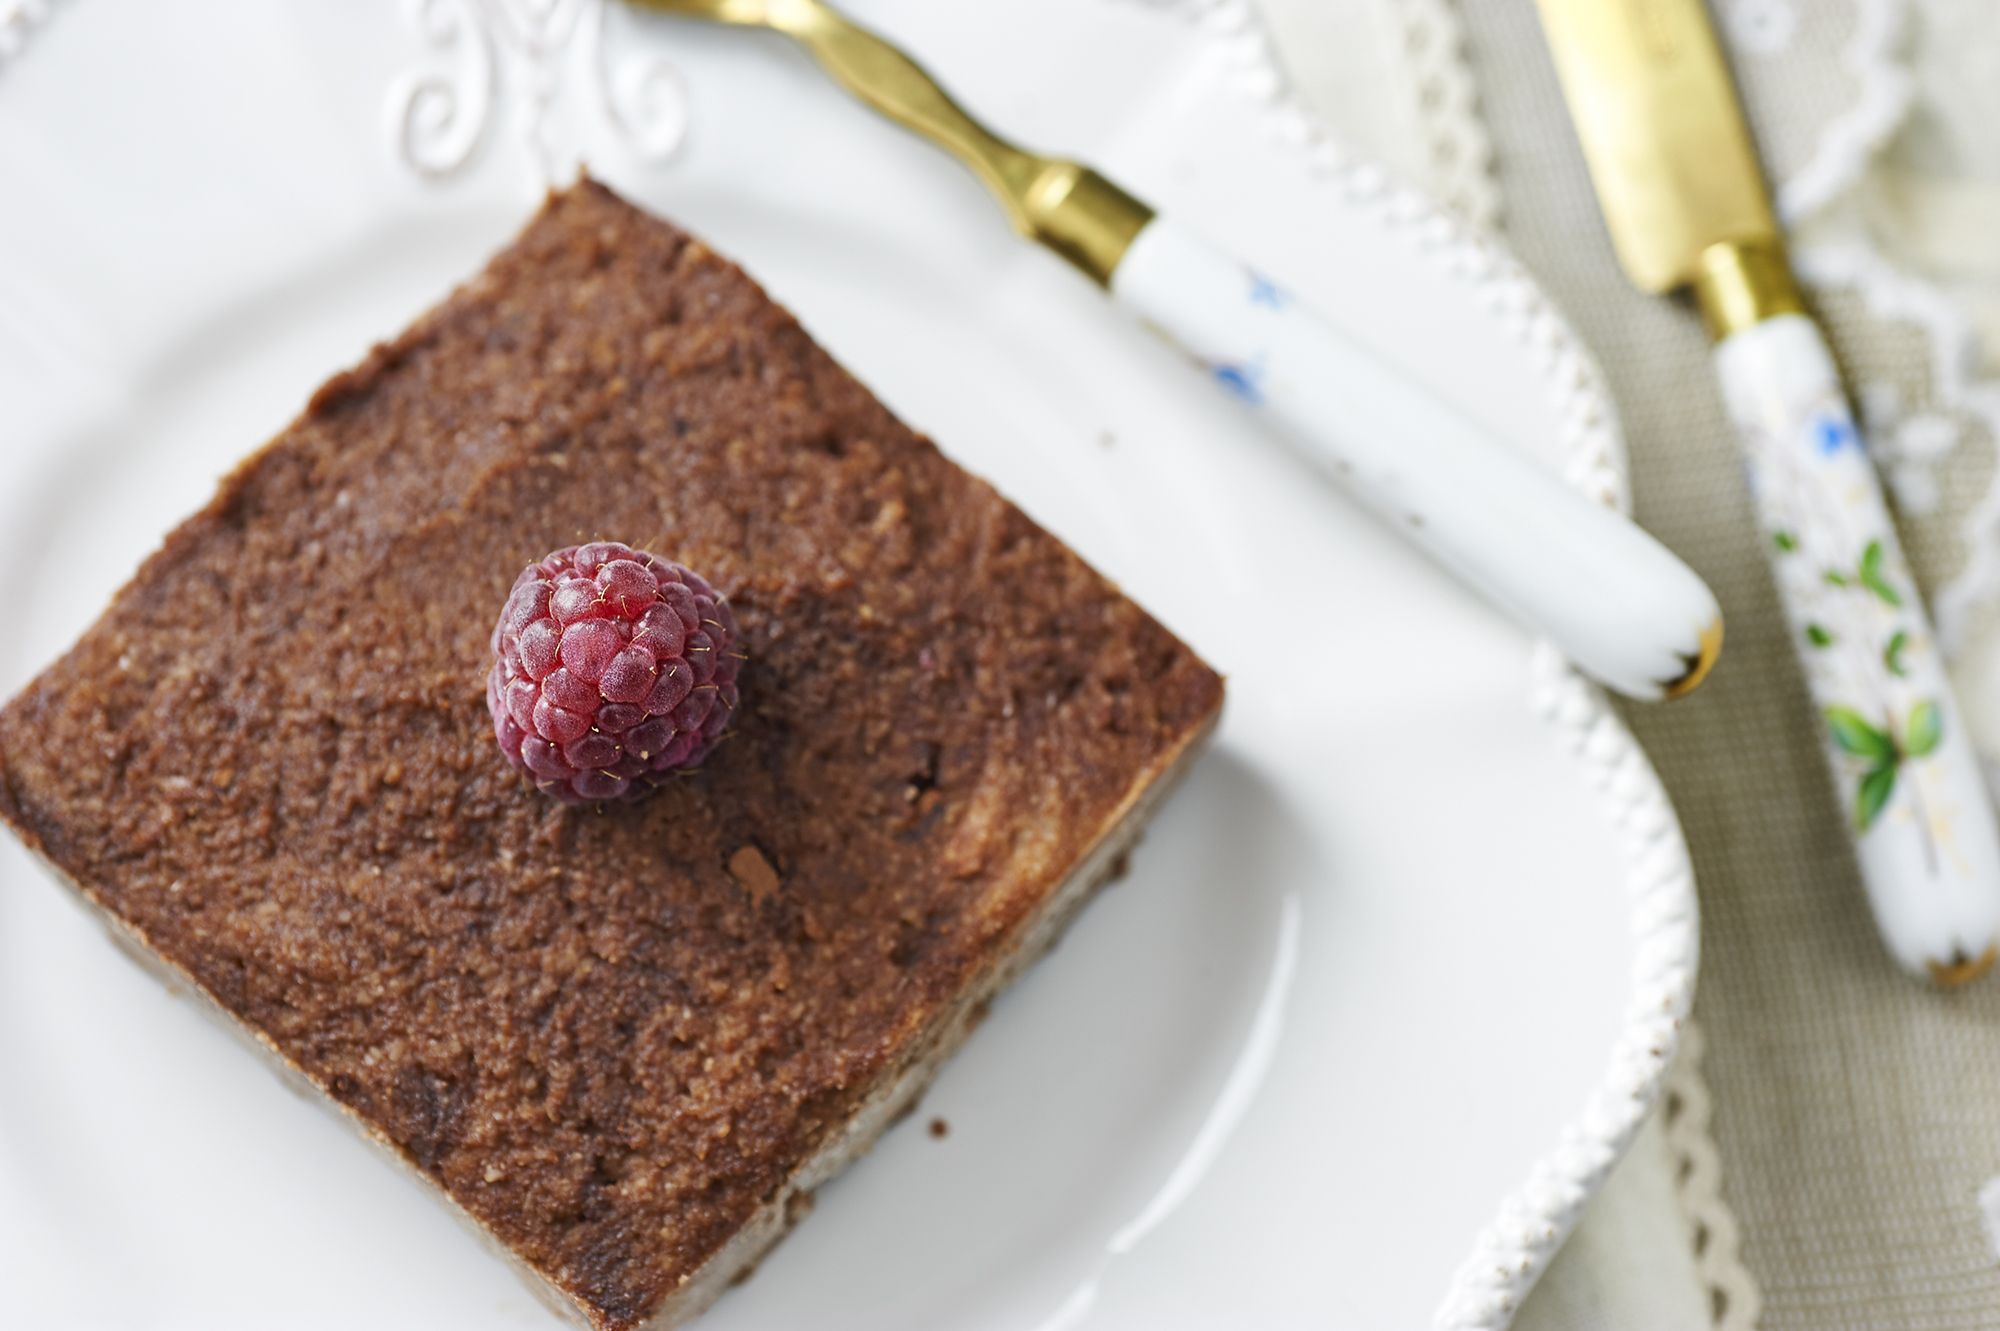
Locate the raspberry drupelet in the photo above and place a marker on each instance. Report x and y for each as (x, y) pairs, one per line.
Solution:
(612, 670)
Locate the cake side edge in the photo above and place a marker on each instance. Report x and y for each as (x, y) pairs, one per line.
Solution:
(180, 983)
(1036, 935)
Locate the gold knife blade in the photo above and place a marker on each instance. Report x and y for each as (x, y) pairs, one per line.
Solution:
(1670, 154)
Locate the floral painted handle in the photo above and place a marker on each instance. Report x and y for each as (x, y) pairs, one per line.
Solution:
(1909, 782)
(1619, 604)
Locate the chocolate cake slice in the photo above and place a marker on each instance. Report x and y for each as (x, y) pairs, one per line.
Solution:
(627, 1041)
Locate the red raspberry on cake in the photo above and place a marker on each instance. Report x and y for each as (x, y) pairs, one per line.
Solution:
(612, 669)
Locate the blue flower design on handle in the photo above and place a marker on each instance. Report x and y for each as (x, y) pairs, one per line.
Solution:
(1244, 379)
(1833, 433)
(1265, 292)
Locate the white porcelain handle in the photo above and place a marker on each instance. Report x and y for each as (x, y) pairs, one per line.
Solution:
(1619, 604)
(1908, 780)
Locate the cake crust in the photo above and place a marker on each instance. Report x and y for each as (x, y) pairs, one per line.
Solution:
(614, 1037)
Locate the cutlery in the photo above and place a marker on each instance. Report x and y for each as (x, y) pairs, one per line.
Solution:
(1618, 603)
(1679, 184)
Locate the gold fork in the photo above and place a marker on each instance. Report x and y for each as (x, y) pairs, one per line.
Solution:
(1061, 204)
(1617, 602)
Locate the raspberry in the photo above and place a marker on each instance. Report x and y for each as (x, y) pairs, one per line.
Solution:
(612, 670)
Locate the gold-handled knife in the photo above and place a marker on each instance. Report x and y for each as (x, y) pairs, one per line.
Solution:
(1619, 604)
(1678, 180)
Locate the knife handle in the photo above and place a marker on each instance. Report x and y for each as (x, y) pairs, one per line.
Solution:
(1908, 780)
(1616, 602)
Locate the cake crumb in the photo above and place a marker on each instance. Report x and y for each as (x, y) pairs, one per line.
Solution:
(940, 1129)
(752, 872)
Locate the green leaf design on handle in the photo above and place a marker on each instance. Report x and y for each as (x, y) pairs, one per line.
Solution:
(1835, 578)
(1925, 729)
(1854, 735)
(1871, 575)
(1876, 788)
(1819, 635)
(1892, 655)
(1785, 541)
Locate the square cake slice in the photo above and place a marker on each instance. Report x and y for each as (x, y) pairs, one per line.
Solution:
(626, 1041)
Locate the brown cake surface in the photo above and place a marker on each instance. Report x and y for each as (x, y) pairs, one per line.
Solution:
(610, 1035)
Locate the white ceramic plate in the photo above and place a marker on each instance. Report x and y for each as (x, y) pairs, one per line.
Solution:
(1360, 1032)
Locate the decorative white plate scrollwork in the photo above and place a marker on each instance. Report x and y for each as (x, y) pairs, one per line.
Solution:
(531, 61)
